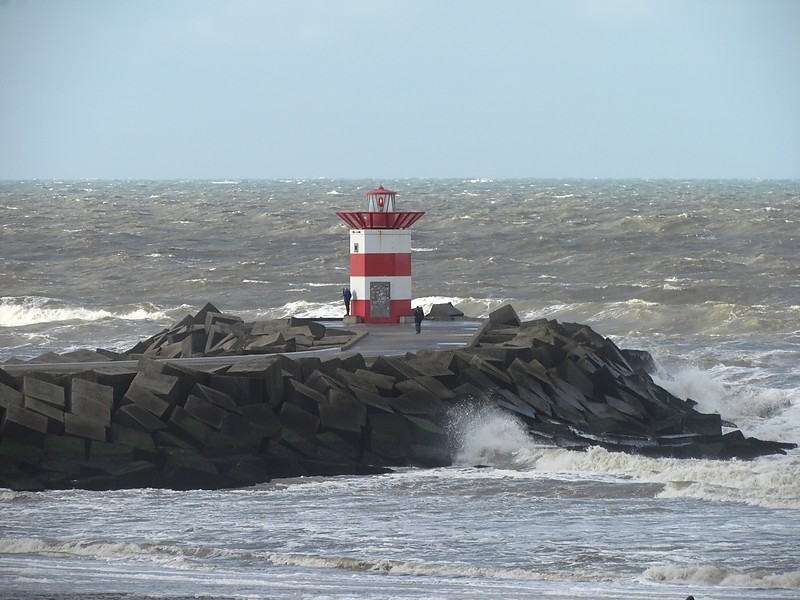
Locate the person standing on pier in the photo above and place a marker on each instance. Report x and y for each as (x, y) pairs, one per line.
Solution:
(418, 316)
(346, 295)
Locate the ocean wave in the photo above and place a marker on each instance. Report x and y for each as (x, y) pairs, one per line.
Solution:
(420, 568)
(163, 554)
(30, 310)
(719, 576)
(489, 436)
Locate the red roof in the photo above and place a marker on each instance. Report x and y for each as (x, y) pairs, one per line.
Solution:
(379, 191)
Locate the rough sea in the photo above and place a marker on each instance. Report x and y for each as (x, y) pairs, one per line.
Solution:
(703, 274)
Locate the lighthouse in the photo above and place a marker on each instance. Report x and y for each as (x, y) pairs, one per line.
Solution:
(380, 258)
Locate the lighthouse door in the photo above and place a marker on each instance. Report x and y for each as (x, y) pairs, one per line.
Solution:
(380, 298)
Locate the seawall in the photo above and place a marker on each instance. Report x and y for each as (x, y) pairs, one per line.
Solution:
(261, 411)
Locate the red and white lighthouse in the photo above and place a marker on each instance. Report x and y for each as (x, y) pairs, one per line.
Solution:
(380, 258)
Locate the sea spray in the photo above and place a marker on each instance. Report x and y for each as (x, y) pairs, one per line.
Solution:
(482, 434)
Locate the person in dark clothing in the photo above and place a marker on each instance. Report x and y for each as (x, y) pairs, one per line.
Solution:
(418, 316)
(346, 295)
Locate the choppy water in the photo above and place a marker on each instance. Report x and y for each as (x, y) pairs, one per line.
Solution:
(704, 274)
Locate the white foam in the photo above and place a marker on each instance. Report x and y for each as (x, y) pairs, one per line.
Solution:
(717, 576)
(768, 413)
(489, 436)
(29, 310)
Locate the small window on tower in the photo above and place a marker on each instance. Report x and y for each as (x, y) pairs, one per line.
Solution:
(355, 247)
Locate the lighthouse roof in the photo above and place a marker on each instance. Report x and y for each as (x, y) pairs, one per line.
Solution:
(379, 191)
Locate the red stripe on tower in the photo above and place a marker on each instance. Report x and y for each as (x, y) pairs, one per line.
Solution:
(380, 258)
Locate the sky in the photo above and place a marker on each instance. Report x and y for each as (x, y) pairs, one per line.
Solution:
(264, 89)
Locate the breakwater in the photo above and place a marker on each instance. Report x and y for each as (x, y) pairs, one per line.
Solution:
(163, 424)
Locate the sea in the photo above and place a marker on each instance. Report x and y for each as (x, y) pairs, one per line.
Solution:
(705, 275)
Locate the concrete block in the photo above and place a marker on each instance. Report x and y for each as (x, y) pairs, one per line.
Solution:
(83, 389)
(184, 425)
(186, 470)
(703, 424)
(262, 416)
(243, 390)
(205, 411)
(264, 343)
(241, 428)
(303, 396)
(146, 399)
(505, 315)
(140, 441)
(63, 454)
(20, 452)
(389, 436)
(241, 470)
(109, 458)
(298, 420)
(340, 445)
(44, 408)
(215, 397)
(343, 417)
(194, 343)
(9, 396)
(84, 427)
(415, 399)
(398, 370)
(52, 394)
(162, 385)
(133, 415)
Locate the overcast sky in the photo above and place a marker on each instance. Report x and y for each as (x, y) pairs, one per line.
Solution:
(392, 89)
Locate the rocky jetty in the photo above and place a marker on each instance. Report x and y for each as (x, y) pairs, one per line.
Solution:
(161, 423)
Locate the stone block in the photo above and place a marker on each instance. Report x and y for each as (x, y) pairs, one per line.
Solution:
(570, 372)
(45, 391)
(162, 385)
(536, 398)
(262, 416)
(146, 399)
(264, 343)
(221, 444)
(97, 393)
(340, 445)
(84, 427)
(133, 415)
(205, 411)
(304, 396)
(140, 441)
(343, 416)
(505, 315)
(241, 428)
(298, 420)
(63, 454)
(9, 396)
(444, 311)
(510, 401)
(436, 387)
(353, 362)
(243, 390)
(119, 379)
(184, 425)
(20, 452)
(137, 474)
(241, 471)
(701, 423)
(187, 470)
(109, 458)
(389, 436)
(215, 397)
(46, 409)
(398, 370)
(415, 399)
(194, 343)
